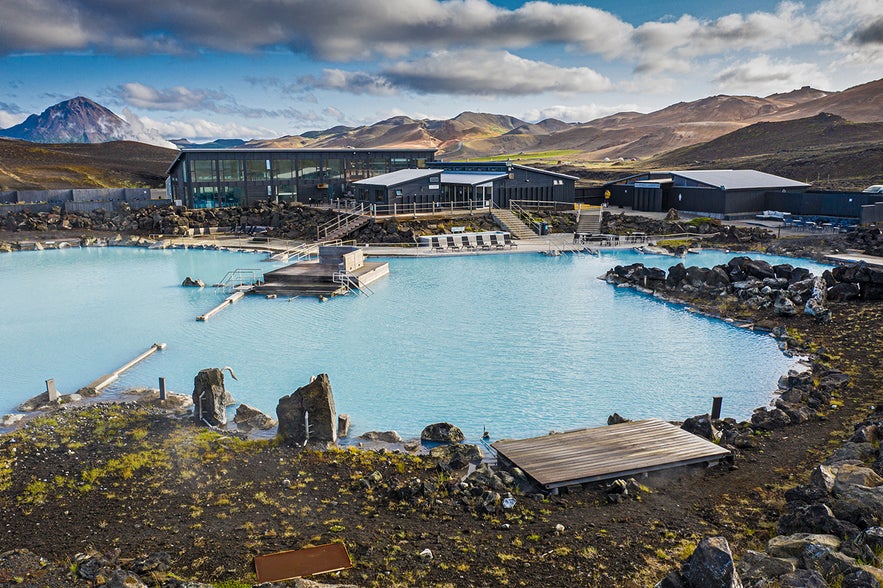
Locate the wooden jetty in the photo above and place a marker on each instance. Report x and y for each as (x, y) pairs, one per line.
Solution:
(108, 379)
(232, 298)
(614, 451)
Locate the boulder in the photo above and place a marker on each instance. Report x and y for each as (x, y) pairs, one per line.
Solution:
(711, 565)
(854, 475)
(794, 545)
(756, 566)
(783, 306)
(457, 456)
(828, 562)
(803, 579)
(759, 269)
(382, 436)
(313, 404)
(814, 518)
(124, 579)
(769, 420)
(701, 426)
(616, 419)
(191, 283)
(210, 397)
(248, 418)
(442, 433)
(852, 452)
(9, 420)
(859, 505)
(843, 292)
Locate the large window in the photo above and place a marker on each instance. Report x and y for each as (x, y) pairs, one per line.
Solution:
(308, 169)
(204, 170)
(231, 170)
(378, 166)
(333, 169)
(257, 170)
(205, 197)
(283, 169)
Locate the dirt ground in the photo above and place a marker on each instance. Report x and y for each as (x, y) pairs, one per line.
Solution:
(127, 482)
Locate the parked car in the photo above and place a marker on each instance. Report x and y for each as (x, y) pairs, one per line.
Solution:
(875, 189)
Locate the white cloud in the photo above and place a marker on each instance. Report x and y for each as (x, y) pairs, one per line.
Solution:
(144, 133)
(491, 72)
(352, 82)
(10, 119)
(762, 75)
(576, 113)
(201, 129)
(175, 98)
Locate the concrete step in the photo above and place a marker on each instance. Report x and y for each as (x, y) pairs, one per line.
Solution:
(589, 224)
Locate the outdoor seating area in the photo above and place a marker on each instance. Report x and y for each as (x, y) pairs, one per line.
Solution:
(820, 224)
(469, 242)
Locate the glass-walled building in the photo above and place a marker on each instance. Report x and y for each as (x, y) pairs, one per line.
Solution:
(212, 178)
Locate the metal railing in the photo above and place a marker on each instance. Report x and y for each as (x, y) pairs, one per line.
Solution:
(240, 277)
(350, 282)
(344, 219)
(539, 205)
(306, 251)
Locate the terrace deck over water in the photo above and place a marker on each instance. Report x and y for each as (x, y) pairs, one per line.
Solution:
(614, 451)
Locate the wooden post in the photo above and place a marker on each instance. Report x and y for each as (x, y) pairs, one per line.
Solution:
(162, 389)
(716, 402)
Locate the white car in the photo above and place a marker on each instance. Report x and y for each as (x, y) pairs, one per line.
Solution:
(875, 189)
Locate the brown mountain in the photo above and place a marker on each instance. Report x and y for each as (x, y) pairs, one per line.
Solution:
(814, 149)
(117, 164)
(622, 135)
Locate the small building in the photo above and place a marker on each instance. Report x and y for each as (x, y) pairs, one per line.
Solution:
(465, 184)
(714, 193)
(213, 178)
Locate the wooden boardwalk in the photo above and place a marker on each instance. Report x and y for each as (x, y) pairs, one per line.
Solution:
(614, 451)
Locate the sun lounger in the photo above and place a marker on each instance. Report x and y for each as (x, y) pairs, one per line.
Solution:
(452, 245)
(497, 242)
(480, 240)
(437, 244)
(466, 244)
(508, 241)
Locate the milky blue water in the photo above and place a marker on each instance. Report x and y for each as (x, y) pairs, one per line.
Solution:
(520, 344)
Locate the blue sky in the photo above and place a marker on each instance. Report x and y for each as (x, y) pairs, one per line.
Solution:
(266, 68)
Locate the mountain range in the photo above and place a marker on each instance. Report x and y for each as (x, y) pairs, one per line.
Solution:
(806, 134)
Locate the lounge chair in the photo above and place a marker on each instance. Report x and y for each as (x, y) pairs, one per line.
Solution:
(508, 241)
(452, 245)
(465, 243)
(480, 241)
(497, 242)
(436, 243)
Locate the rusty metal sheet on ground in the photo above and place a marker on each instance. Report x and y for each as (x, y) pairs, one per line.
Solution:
(286, 565)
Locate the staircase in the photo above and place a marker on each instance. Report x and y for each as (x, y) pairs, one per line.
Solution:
(510, 222)
(342, 225)
(589, 223)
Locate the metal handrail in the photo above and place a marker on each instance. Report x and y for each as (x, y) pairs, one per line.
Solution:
(542, 204)
(342, 220)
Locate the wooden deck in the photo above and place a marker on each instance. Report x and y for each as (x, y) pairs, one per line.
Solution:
(614, 451)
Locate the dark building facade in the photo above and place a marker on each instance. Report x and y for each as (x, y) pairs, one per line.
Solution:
(210, 178)
(716, 193)
(466, 184)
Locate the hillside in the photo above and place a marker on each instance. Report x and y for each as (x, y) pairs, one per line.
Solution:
(813, 149)
(117, 164)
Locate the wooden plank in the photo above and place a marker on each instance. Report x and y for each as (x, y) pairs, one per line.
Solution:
(287, 565)
(607, 452)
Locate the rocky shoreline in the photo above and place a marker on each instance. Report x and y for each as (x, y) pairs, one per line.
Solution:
(829, 533)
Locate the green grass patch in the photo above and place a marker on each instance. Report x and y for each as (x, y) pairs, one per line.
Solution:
(555, 154)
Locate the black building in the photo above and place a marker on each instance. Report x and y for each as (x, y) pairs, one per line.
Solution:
(715, 193)
(463, 184)
(210, 178)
